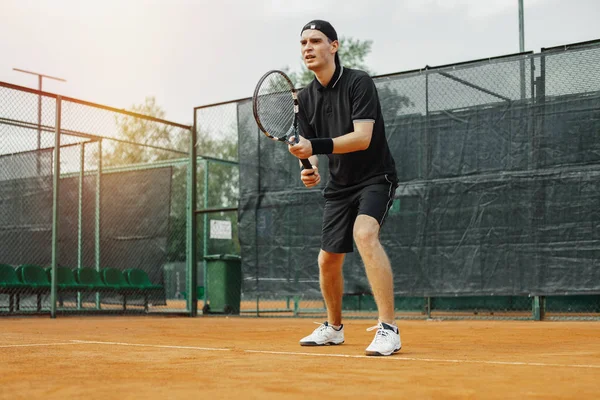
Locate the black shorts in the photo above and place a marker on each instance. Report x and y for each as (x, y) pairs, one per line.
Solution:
(340, 213)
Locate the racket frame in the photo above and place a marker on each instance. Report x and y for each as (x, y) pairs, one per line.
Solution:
(293, 131)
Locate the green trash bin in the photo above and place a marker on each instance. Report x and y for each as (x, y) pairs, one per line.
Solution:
(223, 284)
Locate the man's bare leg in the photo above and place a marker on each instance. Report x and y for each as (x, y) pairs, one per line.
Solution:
(377, 266)
(332, 284)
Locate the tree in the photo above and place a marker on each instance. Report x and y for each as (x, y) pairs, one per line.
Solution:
(140, 132)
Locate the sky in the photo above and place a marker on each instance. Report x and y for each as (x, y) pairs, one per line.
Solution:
(189, 53)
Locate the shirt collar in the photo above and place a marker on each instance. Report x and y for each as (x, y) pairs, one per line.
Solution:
(339, 70)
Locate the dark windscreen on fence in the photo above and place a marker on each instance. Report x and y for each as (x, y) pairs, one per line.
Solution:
(499, 163)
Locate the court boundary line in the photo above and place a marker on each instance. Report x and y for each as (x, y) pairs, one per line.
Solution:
(396, 357)
(158, 346)
(7, 346)
(391, 358)
(434, 360)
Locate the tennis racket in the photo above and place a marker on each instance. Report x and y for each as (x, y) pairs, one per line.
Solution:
(275, 108)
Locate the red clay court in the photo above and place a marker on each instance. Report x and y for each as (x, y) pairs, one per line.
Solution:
(217, 357)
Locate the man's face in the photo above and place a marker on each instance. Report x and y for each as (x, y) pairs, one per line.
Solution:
(317, 51)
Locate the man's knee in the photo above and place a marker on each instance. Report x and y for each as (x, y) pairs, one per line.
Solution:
(366, 231)
(329, 261)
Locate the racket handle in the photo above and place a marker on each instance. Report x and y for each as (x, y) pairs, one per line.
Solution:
(306, 164)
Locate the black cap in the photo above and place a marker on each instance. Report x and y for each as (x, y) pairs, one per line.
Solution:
(327, 29)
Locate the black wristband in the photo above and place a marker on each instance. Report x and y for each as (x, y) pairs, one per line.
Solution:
(322, 146)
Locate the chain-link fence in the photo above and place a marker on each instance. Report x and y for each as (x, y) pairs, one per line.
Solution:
(496, 215)
(218, 252)
(93, 206)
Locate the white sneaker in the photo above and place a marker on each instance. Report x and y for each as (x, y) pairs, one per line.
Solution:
(323, 335)
(386, 342)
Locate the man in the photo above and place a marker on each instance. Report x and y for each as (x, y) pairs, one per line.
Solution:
(340, 116)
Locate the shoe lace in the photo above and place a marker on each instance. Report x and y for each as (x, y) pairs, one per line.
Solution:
(381, 334)
(322, 327)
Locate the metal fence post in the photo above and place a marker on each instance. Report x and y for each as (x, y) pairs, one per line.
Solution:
(192, 268)
(205, 232)
(539, 307)
(98, 217)
(80, 216)
(55, 210)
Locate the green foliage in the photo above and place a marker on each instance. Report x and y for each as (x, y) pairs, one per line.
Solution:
(224, 147)
(144, 132)
(392, 103)
(353, 52)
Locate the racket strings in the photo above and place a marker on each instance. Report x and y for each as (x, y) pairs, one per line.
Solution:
(275, 106)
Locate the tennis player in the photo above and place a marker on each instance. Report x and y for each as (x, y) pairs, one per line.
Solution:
(340, 116)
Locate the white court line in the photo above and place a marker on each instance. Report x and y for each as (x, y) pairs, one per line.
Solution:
(159, 346)
(35, 345)
(439, 360)
(575, 353)
(390, 358)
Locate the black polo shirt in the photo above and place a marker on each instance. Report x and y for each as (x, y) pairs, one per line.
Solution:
(329, 112)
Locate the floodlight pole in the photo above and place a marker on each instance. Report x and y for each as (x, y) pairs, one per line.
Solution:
(522, 47)
(521, 28)
(40, 78)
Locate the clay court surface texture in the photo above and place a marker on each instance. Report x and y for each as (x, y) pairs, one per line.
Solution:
(215, 357)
